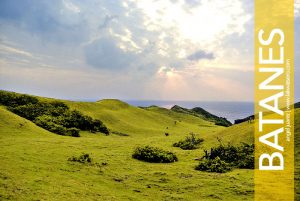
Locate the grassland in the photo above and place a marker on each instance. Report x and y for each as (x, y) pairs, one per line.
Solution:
(35, 166)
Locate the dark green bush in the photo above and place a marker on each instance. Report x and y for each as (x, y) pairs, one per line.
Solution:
(189, 143)
(75, 119)
(100, 127)
(213, 165)
(222, 122)
(74, 132)
(241, 156)
(83, 158)
(246, 155)
(54, 116)
(31, 111)
(13, 99)
(47, 123)
(154, 155)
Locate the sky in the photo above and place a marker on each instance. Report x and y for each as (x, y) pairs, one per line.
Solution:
(197, 50)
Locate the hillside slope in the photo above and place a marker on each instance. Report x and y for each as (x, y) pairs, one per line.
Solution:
(203, 114)
(13, 125)
(124, 118)
(35, 166)
(244, 132)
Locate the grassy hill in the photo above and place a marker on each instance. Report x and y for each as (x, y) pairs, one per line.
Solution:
(124, 118)
(203, 114)
(35, 166)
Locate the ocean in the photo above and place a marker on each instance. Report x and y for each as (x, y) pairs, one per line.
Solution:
(229, 110)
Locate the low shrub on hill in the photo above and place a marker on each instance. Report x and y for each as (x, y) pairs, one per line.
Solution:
(54, 116)
(241, 156)
(222, 122)
(83, 158)
(32, 111)
(189, 143)
(14, 99)
(213, 165)
(154, 155)
(47, 123)
(74, 132)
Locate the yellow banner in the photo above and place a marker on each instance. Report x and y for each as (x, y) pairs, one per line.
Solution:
(274, 92)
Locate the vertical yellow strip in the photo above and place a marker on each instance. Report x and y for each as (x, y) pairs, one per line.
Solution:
(274, 73)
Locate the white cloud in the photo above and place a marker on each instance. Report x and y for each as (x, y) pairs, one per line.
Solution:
(12, 50)
(166, 47)
(71, 6)
(297, 8)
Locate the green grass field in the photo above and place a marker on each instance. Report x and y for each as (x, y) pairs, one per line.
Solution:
(34, 162)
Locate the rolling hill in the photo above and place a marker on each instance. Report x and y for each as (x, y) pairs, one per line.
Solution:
(203, 114)
(34, 162)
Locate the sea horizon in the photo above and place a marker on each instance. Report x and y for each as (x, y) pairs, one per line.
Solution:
(231, 110)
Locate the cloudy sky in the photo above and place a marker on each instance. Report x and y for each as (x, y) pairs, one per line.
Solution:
(134, 49)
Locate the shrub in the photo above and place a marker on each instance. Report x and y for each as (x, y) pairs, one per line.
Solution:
(31, 111)
(154, 155)
(213, 165)
(246, 155)
(77, 120)
(247, 162)
(83, 158)
(13, 99)
(54, 116)
(74, 132)
(241, 156)
(189, 143)
(100, 127)
(222, 122)
(47, 123)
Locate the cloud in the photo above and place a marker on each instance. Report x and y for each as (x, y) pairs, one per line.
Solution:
(68, 4)
(106, 21)
(297, 8)
(193, 2)
(105, 53)
(57, 21)
(12, 50)
(108, 44)
(200, 54)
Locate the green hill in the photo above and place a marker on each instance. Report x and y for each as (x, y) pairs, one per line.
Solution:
(203, 114)
(35, 166)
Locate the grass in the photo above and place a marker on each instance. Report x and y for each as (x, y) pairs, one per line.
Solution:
(35, 166)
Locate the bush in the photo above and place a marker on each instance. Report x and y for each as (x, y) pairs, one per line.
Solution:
(241, 156)
(74, 132)
(53, 116)
(47, 123)
(213, 165)
(246, 155)
(154, 155)
(223, 122)
(189, 143)
(75, 119)
(14, 99)
(100, 127)
(83, 158)
(31, 111)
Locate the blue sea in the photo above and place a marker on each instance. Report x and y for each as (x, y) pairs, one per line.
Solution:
(229, 110)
